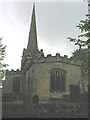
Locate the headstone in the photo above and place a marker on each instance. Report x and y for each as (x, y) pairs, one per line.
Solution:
(74, 93)
(35, 99)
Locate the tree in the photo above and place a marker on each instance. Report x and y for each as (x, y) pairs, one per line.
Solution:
(83, 40)
(83, 53)
(84, 27)
(2, 56)
(82, 56)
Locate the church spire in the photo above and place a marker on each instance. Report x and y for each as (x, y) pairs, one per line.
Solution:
(32, 41)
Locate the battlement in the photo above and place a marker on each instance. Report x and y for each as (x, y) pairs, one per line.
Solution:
(49, 55)
(12, 71)
(58, 58)
(57, 55)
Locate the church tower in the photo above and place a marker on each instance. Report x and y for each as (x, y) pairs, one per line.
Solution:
(32, 46)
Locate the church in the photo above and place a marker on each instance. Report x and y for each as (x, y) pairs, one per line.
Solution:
(45, 77)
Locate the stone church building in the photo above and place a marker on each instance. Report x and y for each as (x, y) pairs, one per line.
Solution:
(47, 77)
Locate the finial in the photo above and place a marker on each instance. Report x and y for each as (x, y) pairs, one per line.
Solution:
(33, 5)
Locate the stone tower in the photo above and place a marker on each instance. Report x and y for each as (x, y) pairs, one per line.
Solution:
(32, 46)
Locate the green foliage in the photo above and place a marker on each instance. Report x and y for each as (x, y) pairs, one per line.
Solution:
(2, 56)
(84, 26)
(78, 42)
(83, 56)
(83, 40)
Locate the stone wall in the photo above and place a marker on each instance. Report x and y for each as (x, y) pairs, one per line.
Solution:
(35, 76)
(39, 77)
(8, 83)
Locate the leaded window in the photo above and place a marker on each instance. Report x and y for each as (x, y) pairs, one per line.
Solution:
(57, 80)
(16, 85)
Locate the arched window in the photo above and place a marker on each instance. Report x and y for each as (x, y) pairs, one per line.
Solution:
(16, 85)
(57, 80)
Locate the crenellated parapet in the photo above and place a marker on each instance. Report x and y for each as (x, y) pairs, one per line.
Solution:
(40, 58)
(12, 72)
(58, 58)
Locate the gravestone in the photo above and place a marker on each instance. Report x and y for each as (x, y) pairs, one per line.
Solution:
(74, 93)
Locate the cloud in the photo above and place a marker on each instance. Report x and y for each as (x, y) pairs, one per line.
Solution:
(55, 22)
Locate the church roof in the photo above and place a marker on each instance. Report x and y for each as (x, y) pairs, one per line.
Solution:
(32, 46)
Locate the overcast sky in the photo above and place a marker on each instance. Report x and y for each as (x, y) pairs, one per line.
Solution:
(55, 22)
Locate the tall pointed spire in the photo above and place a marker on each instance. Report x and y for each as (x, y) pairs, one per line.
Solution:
(32, 41)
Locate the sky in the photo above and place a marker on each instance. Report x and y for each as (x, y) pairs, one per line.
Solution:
(55, 22)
